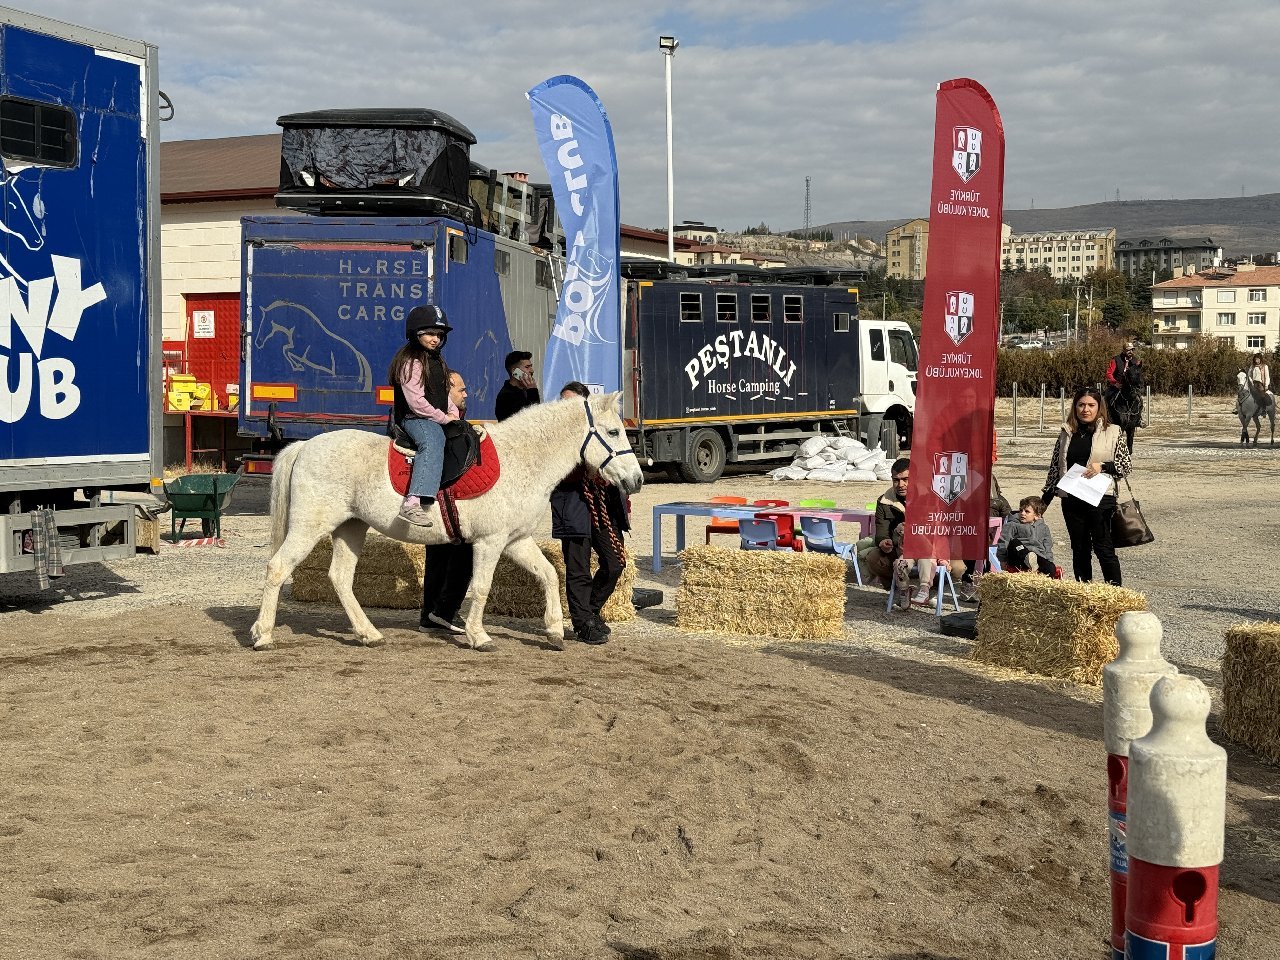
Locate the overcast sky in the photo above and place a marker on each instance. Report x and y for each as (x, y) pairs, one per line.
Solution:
(1172, 99)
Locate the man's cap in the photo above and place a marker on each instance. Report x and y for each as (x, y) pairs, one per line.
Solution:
(515, 357)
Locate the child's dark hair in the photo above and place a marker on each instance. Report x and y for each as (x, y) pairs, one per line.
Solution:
(1035, 503)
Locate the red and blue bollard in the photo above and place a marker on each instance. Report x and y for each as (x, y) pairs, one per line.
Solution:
(1126, 716)
(1177, 814)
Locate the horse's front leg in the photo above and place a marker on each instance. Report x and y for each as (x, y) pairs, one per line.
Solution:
(484, 558)
(295, 548)
(348, 541)
(529, 555)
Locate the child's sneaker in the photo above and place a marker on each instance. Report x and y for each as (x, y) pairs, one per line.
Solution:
(921, 597)
(1033, 562)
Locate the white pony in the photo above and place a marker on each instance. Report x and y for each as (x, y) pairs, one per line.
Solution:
(1253, 404)
(338, 483)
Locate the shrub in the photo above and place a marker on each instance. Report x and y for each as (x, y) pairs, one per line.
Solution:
(1208, 366)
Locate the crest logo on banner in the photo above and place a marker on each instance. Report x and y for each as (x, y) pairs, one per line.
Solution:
(950, 475)
(958, 319)
(966, 155)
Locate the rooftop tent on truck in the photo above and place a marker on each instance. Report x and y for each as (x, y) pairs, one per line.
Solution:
(376, 160)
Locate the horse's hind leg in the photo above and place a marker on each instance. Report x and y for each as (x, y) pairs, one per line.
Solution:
(348, 541)
(527, 553)
(296, 547)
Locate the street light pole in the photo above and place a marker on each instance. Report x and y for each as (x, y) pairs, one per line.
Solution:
(668, 47)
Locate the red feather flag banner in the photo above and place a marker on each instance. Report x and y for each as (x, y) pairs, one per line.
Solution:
(951, 447)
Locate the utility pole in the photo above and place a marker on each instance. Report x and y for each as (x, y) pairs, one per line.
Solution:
(1077, 334)
(808, 210)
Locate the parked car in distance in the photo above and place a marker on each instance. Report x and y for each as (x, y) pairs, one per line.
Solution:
(1031, 345)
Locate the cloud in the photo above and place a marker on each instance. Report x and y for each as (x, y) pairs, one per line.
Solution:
(1095, 96)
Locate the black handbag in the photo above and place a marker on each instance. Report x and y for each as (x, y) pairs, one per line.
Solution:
(1128, 525)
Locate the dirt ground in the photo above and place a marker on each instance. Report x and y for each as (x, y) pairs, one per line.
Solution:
(165, 792)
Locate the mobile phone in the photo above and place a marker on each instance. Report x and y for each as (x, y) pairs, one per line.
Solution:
(519, 374)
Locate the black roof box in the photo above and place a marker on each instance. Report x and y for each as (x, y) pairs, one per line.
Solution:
(407, 117)
(819, 276)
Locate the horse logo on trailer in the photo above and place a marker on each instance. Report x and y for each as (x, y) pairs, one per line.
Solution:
(959, 315)
(966, 153)
(950, 475)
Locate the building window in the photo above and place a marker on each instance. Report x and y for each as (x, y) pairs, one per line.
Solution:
(457, 248)
(1226, 319)
(1257, 296)
(1193, 321)
(40, 132)
(1168, 297)
(792, 308)
(1229, 341)
(690, 308)
(726, 308)
(1170, 322)
(1255, 343)
(1062, 259)
(1075, 259)
(841, 321)
(1257, 319)
(1226, 296)
(760, 312)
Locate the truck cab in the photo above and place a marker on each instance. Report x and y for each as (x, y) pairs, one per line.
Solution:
(888, 377)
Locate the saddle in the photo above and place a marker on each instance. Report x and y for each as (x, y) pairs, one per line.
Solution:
(471, 467)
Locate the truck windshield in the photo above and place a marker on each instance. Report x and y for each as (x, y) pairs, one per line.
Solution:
(902, 349)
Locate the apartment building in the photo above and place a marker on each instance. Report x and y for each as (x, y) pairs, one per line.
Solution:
(1164, 253)
(907, 250)
(1240, 307)
(1065, 254)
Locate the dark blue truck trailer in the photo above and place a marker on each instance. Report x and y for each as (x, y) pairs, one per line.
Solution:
(79, 285)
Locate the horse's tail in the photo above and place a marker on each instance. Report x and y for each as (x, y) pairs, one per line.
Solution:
(281, 475)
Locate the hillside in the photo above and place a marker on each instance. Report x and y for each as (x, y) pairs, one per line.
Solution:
(1240, 225)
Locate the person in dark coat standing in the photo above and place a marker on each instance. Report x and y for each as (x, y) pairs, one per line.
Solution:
(587, 514)
(448, 565)
(1124, 392)
(521, 389)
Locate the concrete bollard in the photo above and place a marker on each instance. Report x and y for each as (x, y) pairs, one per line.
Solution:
(1177, 823)
(1126, 716)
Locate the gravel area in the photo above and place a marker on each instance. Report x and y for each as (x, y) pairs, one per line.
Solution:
(1199, 574)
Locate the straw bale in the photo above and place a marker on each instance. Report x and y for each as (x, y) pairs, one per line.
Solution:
(371, 589)
(1054, 628)
(147, 533)
(1251, 688)
(771, 593)
(515, 593)
(379, 555)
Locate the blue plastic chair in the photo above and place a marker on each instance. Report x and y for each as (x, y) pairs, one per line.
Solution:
(758, 534)
(820, 537)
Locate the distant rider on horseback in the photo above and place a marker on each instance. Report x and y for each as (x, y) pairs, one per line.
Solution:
(1124, 392)
(1259, 378)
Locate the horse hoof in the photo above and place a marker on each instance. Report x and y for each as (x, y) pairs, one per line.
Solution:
(376, 640)
(557, 641)
(484, 643)
(264, 643)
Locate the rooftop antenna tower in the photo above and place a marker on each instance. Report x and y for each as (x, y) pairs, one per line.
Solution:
(808, 209)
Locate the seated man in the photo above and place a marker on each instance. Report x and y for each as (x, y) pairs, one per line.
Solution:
(885, 559)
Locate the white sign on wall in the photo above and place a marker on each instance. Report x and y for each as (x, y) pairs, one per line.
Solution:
(202, 324)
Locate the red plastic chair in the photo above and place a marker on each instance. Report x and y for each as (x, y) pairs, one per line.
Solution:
(770, 503)
(722, 524)
(786, 524)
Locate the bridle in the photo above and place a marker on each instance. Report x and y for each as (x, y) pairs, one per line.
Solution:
(594, 434)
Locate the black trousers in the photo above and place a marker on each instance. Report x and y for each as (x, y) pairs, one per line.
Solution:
(588, 594)
(1089, 528)
(445, 582)
(1017, 555)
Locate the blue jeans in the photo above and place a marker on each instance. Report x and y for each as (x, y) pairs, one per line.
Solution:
(429, 462)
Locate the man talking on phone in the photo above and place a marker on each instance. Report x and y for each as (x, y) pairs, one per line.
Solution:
(520, 390)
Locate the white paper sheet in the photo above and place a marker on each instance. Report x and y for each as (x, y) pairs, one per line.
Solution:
(1089, 489)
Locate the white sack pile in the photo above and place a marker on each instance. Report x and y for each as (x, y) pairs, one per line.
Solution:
(836, 459)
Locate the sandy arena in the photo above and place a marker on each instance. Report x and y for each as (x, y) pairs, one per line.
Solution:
(165, 792)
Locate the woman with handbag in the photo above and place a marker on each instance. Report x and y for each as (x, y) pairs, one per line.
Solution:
(1089, 440)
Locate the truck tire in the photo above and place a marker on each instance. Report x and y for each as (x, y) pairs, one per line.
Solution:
(705, 461)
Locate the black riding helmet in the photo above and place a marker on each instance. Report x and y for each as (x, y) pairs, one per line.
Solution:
(426, 317)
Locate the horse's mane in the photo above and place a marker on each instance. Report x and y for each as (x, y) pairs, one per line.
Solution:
(542, 419)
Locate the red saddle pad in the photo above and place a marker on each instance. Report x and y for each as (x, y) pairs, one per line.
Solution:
(479, 479)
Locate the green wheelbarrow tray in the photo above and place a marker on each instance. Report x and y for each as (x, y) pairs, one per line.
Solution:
(199, 496)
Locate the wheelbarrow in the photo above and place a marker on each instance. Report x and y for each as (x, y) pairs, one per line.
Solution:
(199, 496)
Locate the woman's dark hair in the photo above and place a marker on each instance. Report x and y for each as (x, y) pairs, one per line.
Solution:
(1096, 394)
(574, 386)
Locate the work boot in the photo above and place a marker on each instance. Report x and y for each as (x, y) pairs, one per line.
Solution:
(597, 621)
(589, 634)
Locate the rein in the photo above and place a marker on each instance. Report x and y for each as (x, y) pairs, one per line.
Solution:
(594, 434)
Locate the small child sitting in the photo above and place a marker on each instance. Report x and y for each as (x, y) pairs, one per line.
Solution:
(1025, 541)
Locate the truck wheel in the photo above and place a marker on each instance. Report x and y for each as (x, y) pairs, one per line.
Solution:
(706, 458)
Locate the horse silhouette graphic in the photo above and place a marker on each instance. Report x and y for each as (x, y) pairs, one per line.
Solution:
(308, 345)
(18, 220)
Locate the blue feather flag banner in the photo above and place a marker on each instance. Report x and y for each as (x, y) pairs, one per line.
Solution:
(576, 142)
